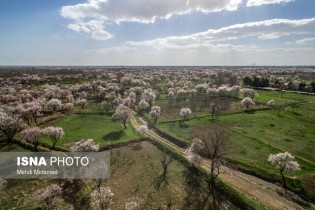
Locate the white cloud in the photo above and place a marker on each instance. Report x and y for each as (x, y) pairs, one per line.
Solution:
(75, 27)
(306, 41)
(93, 27)
(100, 12)
(213, 47)
(268, 29)
(251, 3)
(143, 11)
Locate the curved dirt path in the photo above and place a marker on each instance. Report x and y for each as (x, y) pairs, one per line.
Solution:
(262, 191)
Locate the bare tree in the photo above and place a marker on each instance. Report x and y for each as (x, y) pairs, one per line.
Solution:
(294, 105)
(279, 108)
(166, 161)
(214, 109)
(213, 143)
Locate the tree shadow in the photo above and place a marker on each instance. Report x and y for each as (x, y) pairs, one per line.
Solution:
(73, 193)
(250, 111)
(183, 125)
(296, 113)
(160, 182)
(194, 191)
(192, 177)
(114, 135)
(137, 147)
(200, 196)
(109, 114)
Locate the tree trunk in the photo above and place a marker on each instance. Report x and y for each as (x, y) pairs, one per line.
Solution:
(212, 113)
(283, 178)
(124, 125)
(9, 139)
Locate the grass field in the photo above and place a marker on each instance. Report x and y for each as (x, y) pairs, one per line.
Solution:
(171, 113)
(258, 133)
(97, 126)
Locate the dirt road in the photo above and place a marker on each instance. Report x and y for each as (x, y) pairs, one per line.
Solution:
(262, 191)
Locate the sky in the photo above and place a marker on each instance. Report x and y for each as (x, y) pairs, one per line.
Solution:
(157, 32)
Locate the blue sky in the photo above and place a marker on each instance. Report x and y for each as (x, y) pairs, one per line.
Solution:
(157, 32)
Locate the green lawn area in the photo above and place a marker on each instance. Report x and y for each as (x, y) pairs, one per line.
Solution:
(287, 97)
(99, 127)
(171, 112)
(258, 133)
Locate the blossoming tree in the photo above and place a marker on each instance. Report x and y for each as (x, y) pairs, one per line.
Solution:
(284, 162)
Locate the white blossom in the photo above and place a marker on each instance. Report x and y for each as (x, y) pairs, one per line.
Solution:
(271, 102)
(9, 125)
(143, 104)
(155, 112)
(121, 114)
(54, 104)
(170, 94)
(131, 205)
(3, 184)
(247, 102)
(284, 162)
(149, 95)
(32, 135)
(81, 103)
(85, 145)
(102, 198)
(247, 92)
(201, 87)
(193, 158)
(48, 195)
(67, 107)
(54, 133)
(185, 112)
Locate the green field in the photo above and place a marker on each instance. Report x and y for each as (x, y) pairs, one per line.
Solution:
(258, 133)
(97, 126)
(171, 113)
